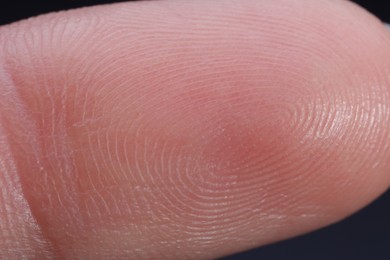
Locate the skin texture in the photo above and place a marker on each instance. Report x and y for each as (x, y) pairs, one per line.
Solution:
(188, 129)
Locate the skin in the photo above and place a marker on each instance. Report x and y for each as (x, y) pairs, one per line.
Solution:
(188, 129)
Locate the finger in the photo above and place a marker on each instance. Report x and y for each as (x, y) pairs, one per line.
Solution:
(190, 129)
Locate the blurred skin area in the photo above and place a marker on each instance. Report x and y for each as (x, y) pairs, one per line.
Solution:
(188, 129)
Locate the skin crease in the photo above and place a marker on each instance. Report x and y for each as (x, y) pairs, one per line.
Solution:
(188, 129)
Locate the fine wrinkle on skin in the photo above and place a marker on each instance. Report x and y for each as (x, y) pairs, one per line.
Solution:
(22, 236)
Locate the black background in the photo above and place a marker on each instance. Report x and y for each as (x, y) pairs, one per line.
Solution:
(364, 236)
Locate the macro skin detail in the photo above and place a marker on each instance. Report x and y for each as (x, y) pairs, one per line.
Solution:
(148, 135)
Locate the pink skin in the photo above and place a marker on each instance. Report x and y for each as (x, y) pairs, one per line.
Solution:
(188, 129)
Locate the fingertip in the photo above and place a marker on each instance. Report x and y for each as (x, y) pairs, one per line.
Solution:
(171, 128)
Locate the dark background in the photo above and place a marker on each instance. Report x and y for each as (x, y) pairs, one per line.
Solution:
(364, 236)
